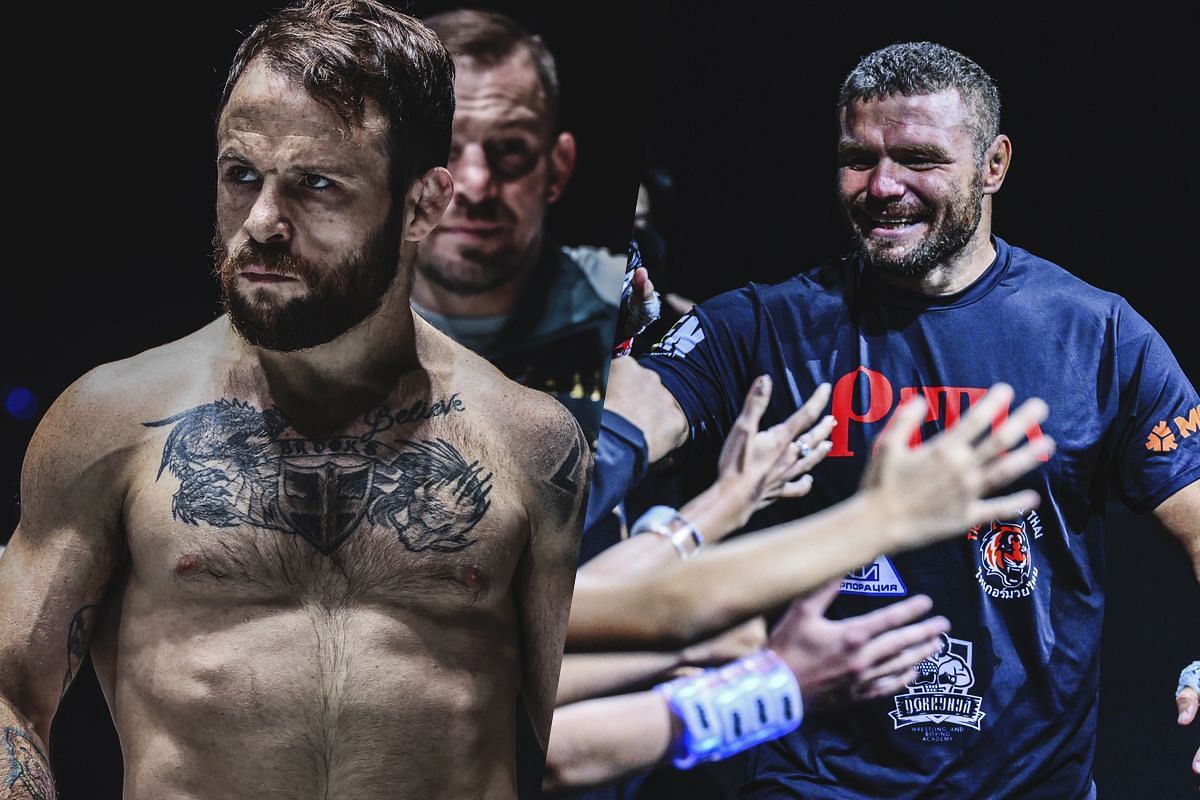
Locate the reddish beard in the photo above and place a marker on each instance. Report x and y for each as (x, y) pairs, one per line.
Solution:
(339, 296)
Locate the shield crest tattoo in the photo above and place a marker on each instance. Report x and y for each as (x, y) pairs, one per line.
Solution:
(324, 502)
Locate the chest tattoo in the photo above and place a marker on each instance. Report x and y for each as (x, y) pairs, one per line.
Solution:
(237, 465)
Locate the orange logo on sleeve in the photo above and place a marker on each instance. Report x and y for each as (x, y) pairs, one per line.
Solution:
(1161, 440)
(1189, 424)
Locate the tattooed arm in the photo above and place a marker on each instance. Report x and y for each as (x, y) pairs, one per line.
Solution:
(52, 578)
(546, 573)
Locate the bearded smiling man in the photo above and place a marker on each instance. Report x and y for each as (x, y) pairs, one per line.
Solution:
(309, 554)
(932, 304)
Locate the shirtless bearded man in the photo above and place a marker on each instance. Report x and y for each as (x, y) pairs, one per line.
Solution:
(309, 545)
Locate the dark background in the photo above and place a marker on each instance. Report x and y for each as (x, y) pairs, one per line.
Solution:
(1102, 183)
(114, 186)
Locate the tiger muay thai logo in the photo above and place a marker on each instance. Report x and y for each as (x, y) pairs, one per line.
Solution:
(939, 695)
(1005, 547)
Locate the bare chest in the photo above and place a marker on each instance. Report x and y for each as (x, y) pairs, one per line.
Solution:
(411, 504)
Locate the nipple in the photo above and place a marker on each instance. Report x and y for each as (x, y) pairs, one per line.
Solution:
(471, 577)
(188, 564)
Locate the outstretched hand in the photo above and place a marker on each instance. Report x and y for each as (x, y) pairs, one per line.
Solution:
(861, 658)
(756, 468)
(939, 488)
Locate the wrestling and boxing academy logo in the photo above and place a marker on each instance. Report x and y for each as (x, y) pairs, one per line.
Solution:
(939, 694)
(1006, 569)
(682, 338)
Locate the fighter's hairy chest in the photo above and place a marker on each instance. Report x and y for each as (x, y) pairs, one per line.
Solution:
(410, 498)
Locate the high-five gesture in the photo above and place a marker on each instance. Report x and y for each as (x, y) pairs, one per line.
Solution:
(942, 486)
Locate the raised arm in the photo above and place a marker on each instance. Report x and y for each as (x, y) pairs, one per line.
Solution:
(909, 498)
(755, 469)
(1180, 514)
(638, 395)
(546, 572)
(53, 577)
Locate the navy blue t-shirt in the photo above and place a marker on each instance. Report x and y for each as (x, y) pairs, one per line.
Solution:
(1008, 707)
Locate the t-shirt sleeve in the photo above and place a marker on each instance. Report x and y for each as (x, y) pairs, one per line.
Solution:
(705, 361)
(1158, 447)
(620, 465)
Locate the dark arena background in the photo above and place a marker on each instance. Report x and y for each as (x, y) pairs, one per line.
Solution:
(114, 195)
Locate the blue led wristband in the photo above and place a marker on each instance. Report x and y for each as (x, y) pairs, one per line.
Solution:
(733, 708)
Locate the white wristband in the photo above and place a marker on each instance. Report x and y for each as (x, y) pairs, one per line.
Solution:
(1189, 678)
(668, 523)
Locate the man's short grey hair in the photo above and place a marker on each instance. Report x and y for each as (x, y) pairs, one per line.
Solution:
(917, 68)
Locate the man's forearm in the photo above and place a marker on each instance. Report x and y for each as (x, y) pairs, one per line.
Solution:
(1180, 514)
(587, 675)
(602, 740)
(727, 584)
(24, 766)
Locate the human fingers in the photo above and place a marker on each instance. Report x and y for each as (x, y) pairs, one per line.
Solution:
(738, 641)
(641, 284)
(797, 488)
(899, 672)
(1032, 412)
(802, 418)
(892, 616)
(899, 649)
(981, 511)
(815, 456)
(757, 399)
(905, 421)
(1187, 702)
(810, 449)
(815, 603)
(1014, 428)
(981, 416)
(809, 440)
(886, 686)
(1007, 469)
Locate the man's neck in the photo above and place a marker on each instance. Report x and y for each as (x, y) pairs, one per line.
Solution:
(333, 383)
(500, 300)
(954, 274)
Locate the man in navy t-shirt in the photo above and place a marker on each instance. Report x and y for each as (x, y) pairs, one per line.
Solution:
(932, 303)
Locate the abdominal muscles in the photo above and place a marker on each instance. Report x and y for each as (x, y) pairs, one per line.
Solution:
(302, 699)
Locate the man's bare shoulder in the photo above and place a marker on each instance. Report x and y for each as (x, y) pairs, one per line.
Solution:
(532, 420)
(515, 411)
(536, 430)
(135, 388)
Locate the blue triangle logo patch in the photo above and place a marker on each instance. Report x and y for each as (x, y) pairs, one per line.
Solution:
(878, 578)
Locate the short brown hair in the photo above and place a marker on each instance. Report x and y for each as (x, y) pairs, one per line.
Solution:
(917, 68)
(345, 52)
(489, 38)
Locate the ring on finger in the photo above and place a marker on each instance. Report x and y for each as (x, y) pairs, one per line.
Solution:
(804, 448)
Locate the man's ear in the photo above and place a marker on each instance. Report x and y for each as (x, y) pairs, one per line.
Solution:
(995, 164)
(562, 164)
(425, 203)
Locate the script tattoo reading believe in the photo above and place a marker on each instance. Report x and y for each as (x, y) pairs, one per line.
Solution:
(237, 465)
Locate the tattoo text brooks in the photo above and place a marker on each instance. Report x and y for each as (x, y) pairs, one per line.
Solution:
(237, 465)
